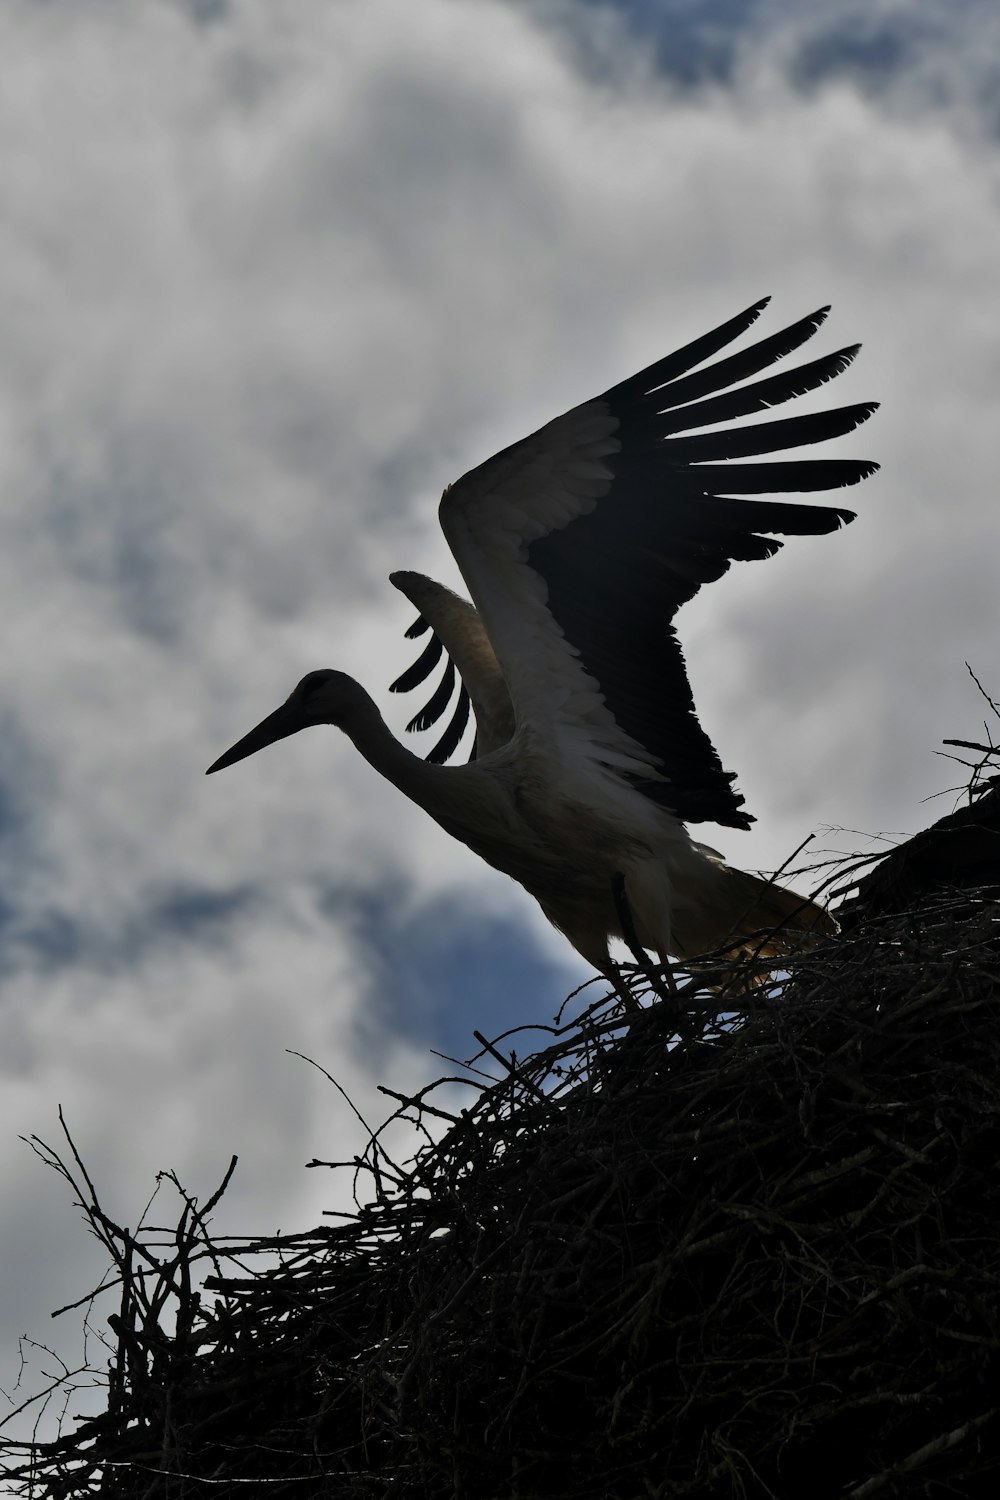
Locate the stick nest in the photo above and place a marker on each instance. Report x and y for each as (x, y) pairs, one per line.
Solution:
(715, 1247)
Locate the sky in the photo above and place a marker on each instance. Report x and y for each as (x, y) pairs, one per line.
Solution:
(270, 277)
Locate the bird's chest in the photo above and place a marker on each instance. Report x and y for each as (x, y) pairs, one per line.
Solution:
(575, 842)
(546, 829)
(579, 833)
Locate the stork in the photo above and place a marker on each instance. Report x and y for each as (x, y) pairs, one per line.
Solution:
(578, 545)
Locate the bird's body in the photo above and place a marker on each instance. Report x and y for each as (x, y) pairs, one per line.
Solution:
(564, 834)
(578, 545)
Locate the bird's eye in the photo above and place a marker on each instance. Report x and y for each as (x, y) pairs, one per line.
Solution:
(313, 680)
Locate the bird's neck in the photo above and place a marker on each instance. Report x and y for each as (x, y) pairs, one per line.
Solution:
(371, 735)
(466, 801)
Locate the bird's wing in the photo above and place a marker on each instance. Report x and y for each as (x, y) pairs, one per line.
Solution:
(580, 543)
(457, 634)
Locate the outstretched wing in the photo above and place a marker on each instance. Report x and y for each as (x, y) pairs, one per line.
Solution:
(580, 543)
(457, 635)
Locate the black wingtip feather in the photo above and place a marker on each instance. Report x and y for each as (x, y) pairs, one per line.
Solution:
(449, 741)
(689, 355)
(798, 476)
(421, 669)
(682, 387)
(767, 437)
(437, 703)
(760, 396)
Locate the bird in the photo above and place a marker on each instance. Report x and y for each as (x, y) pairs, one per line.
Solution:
(578, 545)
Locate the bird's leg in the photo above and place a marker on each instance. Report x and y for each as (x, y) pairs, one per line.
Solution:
(616, 978)
(632, 942)
(668, 973)
(594, 951)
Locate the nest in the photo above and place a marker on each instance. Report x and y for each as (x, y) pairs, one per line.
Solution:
(712, 1247)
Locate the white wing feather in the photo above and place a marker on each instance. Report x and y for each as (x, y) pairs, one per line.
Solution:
(490, 517)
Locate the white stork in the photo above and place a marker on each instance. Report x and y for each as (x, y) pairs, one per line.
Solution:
(578, 545)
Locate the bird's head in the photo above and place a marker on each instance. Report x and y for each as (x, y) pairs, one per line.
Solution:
(323, 697)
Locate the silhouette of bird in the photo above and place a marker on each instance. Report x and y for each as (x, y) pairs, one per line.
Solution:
(578, 545)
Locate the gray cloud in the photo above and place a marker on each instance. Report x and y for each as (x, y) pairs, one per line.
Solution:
(270, 281)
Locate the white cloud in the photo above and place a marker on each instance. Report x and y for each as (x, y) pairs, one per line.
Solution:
(269, 283)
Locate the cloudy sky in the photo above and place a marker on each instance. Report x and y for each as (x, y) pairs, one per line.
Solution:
(270, 276)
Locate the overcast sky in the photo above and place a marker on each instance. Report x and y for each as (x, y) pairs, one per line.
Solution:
(271, 275)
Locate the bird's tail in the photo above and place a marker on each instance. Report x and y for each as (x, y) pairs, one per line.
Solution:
(771, 918)
(745, 914)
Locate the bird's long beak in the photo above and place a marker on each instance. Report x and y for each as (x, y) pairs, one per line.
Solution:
(286, 720)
